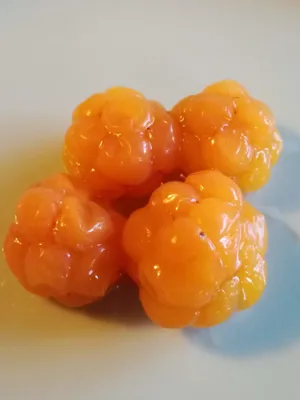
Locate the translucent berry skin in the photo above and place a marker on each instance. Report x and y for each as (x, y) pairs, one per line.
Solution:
(197, 251)
(120, 144)
(62, 245)
(224, 128)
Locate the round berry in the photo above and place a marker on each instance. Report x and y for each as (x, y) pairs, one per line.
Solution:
(197, 251)
(121, 144)
(63, 245)
(224, 128)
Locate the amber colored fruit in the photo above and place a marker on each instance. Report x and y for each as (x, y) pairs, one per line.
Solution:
(120, 143)
(224, 128)
(63, 245)
(197, 251)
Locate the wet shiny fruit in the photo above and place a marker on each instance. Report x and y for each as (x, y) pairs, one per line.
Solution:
(62, 245)
(120, 144)
(224, 128)
(155, 195)
(197, 251)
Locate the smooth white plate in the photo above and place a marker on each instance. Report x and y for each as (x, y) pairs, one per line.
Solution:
(55, 53)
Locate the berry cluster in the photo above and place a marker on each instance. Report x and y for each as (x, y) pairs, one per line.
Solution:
(156, 195)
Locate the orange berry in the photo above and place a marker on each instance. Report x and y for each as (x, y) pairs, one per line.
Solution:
(197, 251)
(224, 128)
(120, 144)
(72, 247)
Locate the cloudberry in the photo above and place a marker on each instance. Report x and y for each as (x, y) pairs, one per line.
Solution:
(120, 143)
(224, 128)
(63, 245)
(197, 251)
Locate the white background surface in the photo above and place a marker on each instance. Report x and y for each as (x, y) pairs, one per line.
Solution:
(54, 54)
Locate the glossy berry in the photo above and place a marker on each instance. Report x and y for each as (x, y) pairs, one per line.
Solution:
(120, 143)
(197, 251)
(63, 245)
(224, 128)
